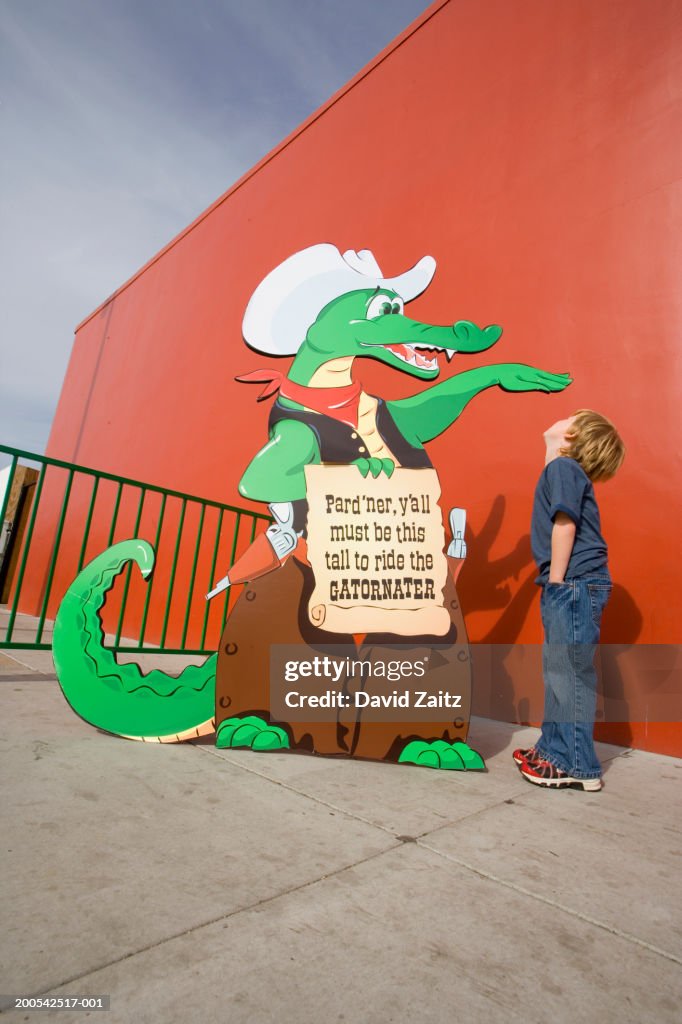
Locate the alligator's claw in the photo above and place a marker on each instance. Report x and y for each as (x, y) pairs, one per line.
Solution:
(375, 466)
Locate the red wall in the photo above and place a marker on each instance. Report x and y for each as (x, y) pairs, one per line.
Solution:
(533, 148)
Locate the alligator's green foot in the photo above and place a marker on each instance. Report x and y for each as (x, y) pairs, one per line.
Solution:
(252, 732)
(457, 756)
(375, 466)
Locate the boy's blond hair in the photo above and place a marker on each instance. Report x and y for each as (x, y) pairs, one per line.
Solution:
(595, 444)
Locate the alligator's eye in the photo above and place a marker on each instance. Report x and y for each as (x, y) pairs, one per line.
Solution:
(381, 305)
(397, 306)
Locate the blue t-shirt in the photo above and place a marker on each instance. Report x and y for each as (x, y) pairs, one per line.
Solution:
(564, 486)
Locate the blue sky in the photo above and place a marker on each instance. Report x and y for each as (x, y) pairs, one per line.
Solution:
(121, 121)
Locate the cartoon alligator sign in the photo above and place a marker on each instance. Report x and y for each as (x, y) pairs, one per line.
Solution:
(327, 310)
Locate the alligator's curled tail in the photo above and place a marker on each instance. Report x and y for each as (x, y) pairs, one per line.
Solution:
(120, 699)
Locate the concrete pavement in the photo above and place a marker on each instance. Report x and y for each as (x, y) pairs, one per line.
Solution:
(190, 883)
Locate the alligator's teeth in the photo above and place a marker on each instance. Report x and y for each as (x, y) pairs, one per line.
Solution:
(413, 358)
(449, 353)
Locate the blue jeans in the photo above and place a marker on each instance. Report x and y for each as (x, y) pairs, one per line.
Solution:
(571, 617)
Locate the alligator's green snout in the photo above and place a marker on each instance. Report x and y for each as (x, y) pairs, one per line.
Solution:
(372, 324)
(421, 343)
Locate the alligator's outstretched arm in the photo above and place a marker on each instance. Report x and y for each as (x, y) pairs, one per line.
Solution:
(426, 415)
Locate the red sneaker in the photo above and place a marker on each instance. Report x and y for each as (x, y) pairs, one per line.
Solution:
(542, 773)
(520, 755)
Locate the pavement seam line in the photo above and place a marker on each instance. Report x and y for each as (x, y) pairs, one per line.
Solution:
(470, 815)
(298, 792)
(23, 677)
(358, 817)
(216, 920)
(552, 903)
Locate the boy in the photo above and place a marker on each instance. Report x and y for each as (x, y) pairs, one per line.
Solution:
(571, 556)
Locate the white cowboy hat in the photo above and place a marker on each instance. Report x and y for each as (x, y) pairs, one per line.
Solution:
(288, 300)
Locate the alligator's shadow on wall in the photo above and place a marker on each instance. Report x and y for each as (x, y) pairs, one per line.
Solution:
(486, 585)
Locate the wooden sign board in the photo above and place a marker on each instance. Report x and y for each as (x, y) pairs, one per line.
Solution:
(376, 547)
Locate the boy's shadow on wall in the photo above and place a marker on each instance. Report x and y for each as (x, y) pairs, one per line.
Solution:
(621, 626)
(507, 678)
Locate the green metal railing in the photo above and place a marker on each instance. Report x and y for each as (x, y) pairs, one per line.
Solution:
(63, 530)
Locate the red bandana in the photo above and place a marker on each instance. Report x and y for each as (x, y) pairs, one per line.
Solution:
(339, 403)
